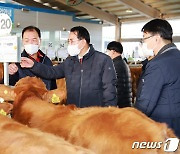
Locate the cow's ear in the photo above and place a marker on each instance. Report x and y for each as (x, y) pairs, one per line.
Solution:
(19, 89)
(9, 107)
(41, 91)
(45, 96)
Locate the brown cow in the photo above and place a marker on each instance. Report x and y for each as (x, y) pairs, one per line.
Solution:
(107, 130)
(56, 96)
(16, 138)
(135, 75)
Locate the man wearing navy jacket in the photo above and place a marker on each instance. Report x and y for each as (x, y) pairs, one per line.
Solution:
(158, 94)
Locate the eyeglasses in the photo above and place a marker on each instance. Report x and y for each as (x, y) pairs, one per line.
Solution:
(142, 40)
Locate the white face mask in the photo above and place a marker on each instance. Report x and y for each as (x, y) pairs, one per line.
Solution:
(147, 52)
(31, 48)
(73, 50)
(144, 52)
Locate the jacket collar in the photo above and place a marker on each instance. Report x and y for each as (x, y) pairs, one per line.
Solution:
(117, 58)
(165, 48)
(41, 55)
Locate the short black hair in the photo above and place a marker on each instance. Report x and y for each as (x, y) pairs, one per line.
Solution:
(31, 28)
(159, 26)
(82, 33)
(117, 46)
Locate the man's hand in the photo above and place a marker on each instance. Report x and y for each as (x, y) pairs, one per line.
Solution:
(12, 68)
(26, 62)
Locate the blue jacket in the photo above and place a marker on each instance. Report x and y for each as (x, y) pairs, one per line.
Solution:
(23, 72)
(158, 93)
(91, 83)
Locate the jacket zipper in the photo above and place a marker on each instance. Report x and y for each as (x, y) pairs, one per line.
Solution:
(80, 91)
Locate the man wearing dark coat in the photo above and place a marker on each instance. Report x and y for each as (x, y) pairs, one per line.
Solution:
(158, 94)
(124, 85)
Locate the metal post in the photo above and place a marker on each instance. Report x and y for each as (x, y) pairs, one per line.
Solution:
(6, 74)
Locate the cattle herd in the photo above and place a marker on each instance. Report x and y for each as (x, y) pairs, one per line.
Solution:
(38, 126)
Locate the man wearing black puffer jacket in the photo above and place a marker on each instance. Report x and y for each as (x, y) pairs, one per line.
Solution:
(90, 75)
(124, 85)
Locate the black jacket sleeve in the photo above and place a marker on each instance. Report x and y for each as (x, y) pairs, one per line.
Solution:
(48, 72)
